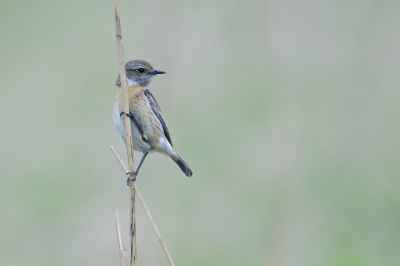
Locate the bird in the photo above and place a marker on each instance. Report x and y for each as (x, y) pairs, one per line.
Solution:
(149, 130)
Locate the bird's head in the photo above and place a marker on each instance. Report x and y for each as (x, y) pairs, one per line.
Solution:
(139, 73)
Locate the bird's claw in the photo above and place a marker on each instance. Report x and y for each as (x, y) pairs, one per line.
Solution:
(128, 115)
(128, 179)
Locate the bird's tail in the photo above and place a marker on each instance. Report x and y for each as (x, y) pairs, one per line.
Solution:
(184, 167)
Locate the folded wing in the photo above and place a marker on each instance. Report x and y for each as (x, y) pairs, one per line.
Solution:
(157, 111)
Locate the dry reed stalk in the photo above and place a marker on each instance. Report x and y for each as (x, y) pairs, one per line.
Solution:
(121, 248)
(128, 134)
(146, 210)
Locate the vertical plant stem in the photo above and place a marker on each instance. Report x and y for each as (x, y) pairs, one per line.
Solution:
(146, 210)
(121, 248)
(128, 134)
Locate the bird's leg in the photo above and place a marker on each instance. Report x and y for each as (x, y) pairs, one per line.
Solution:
(140, 164)
(129, 115)
(137, 170)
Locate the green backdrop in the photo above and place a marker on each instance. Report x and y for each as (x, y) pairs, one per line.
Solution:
(287, 112)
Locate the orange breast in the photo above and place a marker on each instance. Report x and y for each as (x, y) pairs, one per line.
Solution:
(135, 97)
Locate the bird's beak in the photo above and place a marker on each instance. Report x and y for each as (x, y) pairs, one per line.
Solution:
(156, 72)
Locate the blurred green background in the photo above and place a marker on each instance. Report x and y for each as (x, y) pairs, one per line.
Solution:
(287, 112)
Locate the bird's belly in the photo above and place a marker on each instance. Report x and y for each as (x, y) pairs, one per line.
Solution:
(150, 125)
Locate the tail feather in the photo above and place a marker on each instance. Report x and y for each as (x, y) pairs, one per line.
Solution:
(184, 167)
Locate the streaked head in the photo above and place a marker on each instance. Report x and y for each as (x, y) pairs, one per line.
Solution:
(139, 73)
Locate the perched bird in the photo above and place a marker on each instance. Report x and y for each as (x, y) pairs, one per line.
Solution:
(149, 130)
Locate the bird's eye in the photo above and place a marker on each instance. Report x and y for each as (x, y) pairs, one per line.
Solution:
(140, 70)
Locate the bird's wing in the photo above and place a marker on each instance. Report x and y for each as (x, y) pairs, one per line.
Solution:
(157, 111)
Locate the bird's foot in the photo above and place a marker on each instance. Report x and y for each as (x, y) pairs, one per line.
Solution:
(128, 115)
(128, 180)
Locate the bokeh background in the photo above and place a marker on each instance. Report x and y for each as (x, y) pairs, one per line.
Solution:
(287, 112)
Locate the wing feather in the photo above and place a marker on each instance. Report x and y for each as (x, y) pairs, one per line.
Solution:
(157, 111)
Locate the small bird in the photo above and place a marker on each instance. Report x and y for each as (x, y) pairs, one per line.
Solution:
(149, 130)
